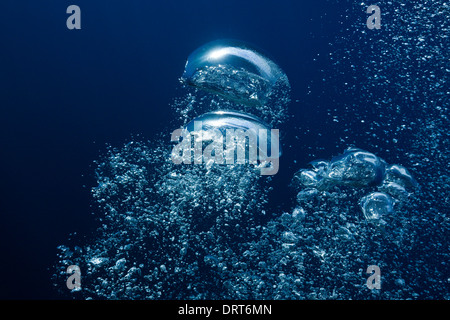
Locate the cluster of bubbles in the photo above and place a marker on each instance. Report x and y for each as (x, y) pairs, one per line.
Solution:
(173, 231)
(400, 75)
(163, 225)
(195, 232)
(360, 169)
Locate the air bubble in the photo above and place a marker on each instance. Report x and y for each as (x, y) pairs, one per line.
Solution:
(234, 70)
(377, 206)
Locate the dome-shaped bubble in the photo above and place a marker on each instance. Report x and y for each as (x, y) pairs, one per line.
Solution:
(319, 165)
(356, 167)
(308, 178)
(222, 122)
(227, 119)
(400, 175)
(377, 206)
(234, 70)
(232, 138)
(398, 182)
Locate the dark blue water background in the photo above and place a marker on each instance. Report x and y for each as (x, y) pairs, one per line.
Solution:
(64, 94)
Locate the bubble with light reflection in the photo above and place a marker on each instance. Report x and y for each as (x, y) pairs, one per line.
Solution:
(234, 70)
(229, 137)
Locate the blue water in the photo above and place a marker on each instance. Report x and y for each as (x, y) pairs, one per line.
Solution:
(87, 180)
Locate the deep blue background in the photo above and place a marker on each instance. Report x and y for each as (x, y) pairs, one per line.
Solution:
(65, 93)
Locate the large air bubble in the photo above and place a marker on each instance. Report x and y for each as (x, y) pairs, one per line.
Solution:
(228, 137)
(358, 170)
(234, 70)
(355, 167)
